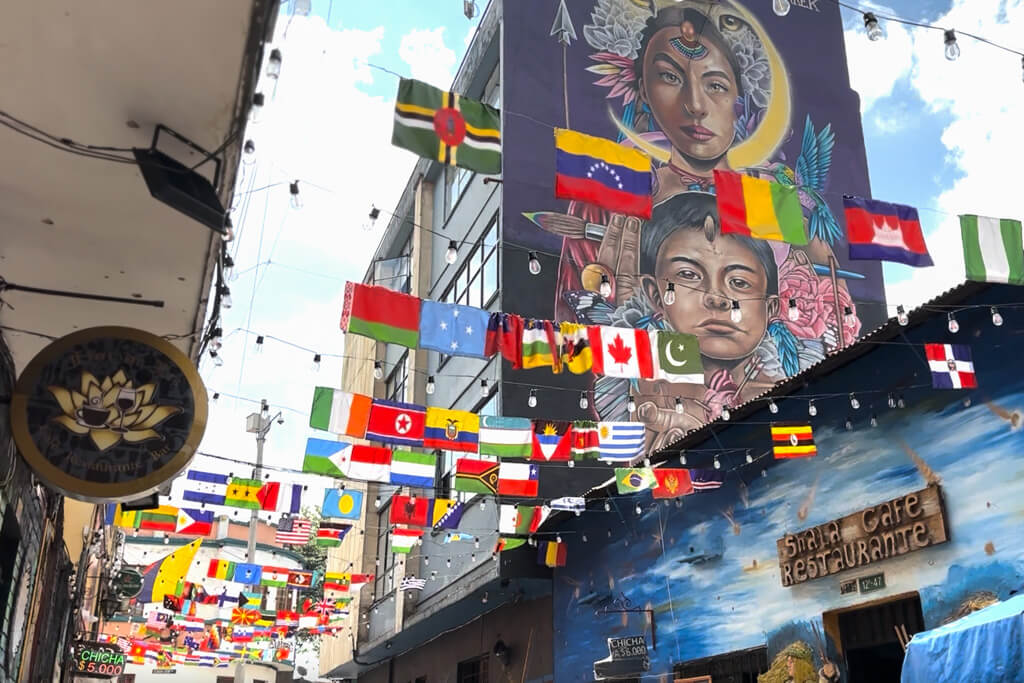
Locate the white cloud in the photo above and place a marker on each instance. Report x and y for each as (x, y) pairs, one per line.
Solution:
(429, 59)
(982, 94)
(875, 67)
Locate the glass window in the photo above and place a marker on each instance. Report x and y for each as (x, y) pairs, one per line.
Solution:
(473, 670)
(383, 582)
(458, 181)
(398, 381)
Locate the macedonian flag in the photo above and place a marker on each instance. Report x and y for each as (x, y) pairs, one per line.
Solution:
(793, 440)
(448, 127)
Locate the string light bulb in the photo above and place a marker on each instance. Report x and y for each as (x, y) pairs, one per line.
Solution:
(781, 7)
(718, 463)
(216, 339)
(584, 537)
(647, 461)
(764, 474)
(679, 406)
(558, 538)
(997, 317)
(534, 264)
(854, 403)
(952, 49)
(682, 458)
(874, 31)
(901, 316)
(274, 64)
(584, 401)
(607, 506)
(670, 293)
(639, 510)
(874, 420)
(258, 100)
(430, 385)
(892, 401)
(259, 343)
(631, 404)
(371, 221)
(952, 324)
(448, 562)
(484, 390)
(225, 297)
(451, 255)
(735, 314)
(605, 289)
(726, 414)
(378, 370)
(793, 312)
(426, 561)
(812, 409)
(217, 360)
(849, 425)
(900, 403)
(296, 199)
(229, 268)
(773, 407)
(216, 395)
(316, 362)
(848, 315)
(532, 400)
(750, 458)
(249, 148)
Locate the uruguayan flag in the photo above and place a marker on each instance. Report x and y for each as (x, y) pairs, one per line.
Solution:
(620, 441)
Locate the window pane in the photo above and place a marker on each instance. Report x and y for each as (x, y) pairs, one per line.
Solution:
(491, 236)
(490, 279)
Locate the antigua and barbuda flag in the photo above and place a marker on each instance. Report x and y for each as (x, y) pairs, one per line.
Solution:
(885, 232)
(951, 365)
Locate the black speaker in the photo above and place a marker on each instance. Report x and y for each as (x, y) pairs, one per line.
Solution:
(181, 188)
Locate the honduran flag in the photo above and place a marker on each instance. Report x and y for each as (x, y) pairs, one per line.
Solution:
(885, 232)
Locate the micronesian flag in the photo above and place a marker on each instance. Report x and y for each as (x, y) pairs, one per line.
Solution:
(885, 232)
(453, 329)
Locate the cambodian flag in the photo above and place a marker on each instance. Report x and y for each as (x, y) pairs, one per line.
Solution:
(881, 231)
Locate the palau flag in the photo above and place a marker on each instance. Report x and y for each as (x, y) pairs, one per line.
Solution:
(759, 208)
(602, 172)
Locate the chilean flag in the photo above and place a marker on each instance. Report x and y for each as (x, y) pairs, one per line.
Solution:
(881, 231)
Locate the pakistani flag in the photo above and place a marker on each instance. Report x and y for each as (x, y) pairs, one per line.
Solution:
(993, 249)
(447, 127)
(676, 357)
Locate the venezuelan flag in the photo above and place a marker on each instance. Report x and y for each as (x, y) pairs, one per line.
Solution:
(759, 208)
(602, 172)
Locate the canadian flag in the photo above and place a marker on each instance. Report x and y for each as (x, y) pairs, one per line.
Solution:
(621, 352)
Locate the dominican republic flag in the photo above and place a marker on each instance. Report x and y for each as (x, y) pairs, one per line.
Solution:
(951, 365)
(882, 231)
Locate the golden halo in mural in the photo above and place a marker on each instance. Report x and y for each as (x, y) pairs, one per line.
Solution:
(108, 413)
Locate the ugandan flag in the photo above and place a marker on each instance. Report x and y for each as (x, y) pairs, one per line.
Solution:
(793, 440)
(447, 127)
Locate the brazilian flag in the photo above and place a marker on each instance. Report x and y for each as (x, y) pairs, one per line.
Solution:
(448, 127)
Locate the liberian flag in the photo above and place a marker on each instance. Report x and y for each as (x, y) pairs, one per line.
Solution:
(882, 231)
(951, 365)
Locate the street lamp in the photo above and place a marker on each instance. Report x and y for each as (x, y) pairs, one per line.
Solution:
(259, 424)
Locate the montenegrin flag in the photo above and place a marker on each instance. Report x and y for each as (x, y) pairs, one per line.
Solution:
(603, 173)
(759, 208)
(447, 127)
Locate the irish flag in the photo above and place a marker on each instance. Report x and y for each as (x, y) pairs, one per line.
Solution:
(382, 314)
(340, 412)
(759, 208)
(993, 250)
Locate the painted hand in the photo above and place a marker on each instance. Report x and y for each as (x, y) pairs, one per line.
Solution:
(619, 257)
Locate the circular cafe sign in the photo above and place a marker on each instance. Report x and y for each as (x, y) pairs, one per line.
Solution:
(108, 413)
(127, 583)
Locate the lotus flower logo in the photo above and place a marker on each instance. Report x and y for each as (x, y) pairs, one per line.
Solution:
(111, 410)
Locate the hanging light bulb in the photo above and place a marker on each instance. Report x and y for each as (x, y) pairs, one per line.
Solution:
(293, 190)
(901, 316)
(229, 268)
(639, 510)
(316, 362)
(849, 425)
(718, 463)
(534, 264)
(483, 503)
(448, 562)
(274, 64)
(812, 409)
(874, 420)
(854, 403)
(259, 343)
(647, 461)
(781, 7)
(378, 370)
(735, 315)
(451, 255)
(216, 339)
(430, 384)
(952, 49)
(900, 403)
(631, 404)
(952, 324)
(764, 474)
(892, 401)
(558, 538)
(258, 100)
(216, 395)
(484, 599)
(249, 148)
(217, 360)
(484, 390)
(773, 407)
(670, 293)
(607, 506)
(750, 458)
(874, 31)
(794, 312)
(584, 537)
(848, 316)
(997, 317)
(679, 406)
(472, 558)
(605, 289)
(371, 221)
(682, 458)
(532, 400)
(726, 415)
(225, 297)
(584, 401)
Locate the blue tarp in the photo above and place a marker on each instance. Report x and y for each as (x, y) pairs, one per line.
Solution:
(987, 645)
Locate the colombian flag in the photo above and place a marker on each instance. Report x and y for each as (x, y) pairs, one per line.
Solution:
(793, 440)
(759, 208)
(602, 172)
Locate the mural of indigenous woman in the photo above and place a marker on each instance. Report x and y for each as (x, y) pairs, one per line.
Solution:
(699, 86)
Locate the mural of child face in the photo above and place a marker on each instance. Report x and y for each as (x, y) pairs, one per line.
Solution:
(709, 276)
(691, 89)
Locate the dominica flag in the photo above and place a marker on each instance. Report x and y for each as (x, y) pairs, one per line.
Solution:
(793, 440)
(448, 127)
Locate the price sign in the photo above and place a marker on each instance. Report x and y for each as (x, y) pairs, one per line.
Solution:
(97, 660)
(629, 646)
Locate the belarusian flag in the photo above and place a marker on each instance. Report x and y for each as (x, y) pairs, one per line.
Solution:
(402, 540)
(447, 127)
(993, 249)
(340, 412)
(382, 314)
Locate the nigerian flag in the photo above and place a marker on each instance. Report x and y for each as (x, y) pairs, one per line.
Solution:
(993, 249)
(448, 127)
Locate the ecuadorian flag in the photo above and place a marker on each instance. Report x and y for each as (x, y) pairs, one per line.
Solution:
(451, 430)
(603, 173)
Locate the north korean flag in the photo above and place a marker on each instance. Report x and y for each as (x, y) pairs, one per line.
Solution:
(392, 422)
(881, 231)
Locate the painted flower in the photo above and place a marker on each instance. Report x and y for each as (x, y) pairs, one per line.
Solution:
(800, 284)
(617, 73)
(851, 323)
(111, 410)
